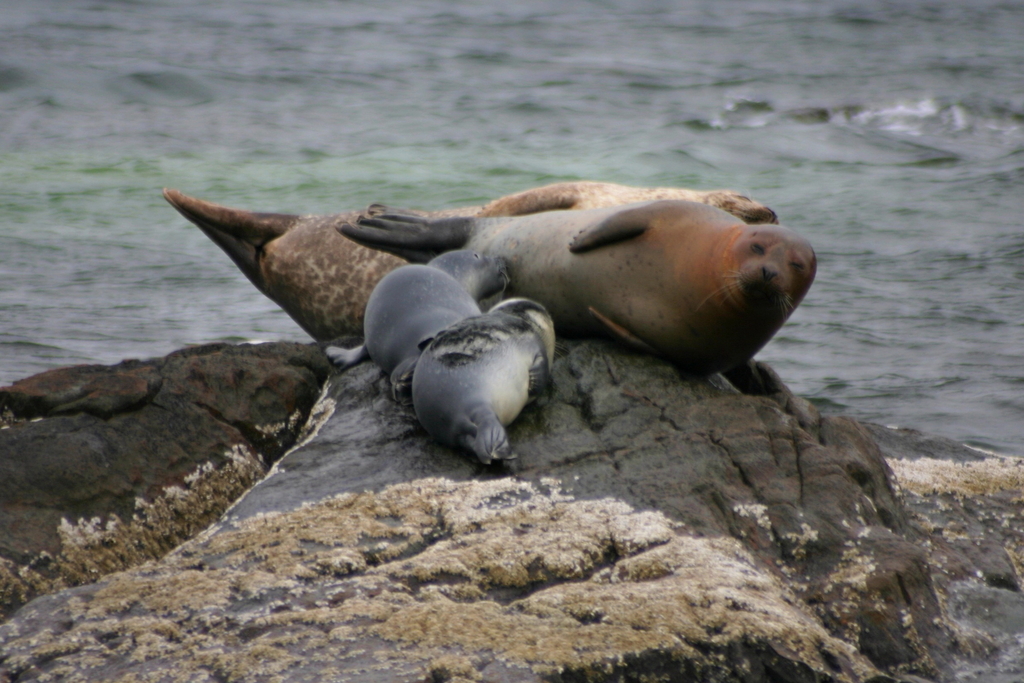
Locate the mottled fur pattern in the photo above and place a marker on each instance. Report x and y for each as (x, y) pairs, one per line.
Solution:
(467, 340)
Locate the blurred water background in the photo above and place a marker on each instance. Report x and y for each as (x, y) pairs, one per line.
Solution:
(889, 132)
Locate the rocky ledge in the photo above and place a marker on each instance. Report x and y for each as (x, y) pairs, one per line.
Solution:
(656, 527)
(102, 468)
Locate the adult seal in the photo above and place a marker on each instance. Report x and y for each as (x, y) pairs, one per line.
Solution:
(680, 279)
(413, 303)
(475, 377)
(323, 280)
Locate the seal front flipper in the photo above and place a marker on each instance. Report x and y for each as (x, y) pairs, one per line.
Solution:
(618, 227)
(401, 380)
(414, 238)
(540, 376)
(344, 359)
(622, 334)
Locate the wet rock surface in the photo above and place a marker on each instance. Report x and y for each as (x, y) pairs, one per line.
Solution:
(655, 527)
(971, 506)
(104, 467)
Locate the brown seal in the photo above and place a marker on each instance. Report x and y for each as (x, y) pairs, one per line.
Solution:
(323, 281)
(683, 280)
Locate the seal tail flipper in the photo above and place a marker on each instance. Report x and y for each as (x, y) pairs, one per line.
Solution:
(254, 228)
(414, 238)
(401, 381)
(344, 359)
(239, 233)
(622, 334)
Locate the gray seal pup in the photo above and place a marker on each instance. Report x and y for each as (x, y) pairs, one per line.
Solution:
(475, 376)
(678, 279)
(323, 280)
(413, 303)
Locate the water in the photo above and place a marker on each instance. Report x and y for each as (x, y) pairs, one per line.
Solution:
(890, 133)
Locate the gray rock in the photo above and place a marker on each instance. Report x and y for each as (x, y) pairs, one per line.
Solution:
(969, 504)
(656, 527)
(105, 467)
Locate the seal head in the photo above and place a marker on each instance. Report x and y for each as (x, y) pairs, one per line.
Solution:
(774, 268)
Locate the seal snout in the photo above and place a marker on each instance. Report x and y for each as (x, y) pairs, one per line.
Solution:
(765, 284)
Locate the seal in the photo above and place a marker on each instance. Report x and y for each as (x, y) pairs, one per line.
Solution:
(323, 280)
(587, 194)
(413, 303)
(475, 377)
(679, 279)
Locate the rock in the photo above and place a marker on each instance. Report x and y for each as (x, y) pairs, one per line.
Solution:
(970, 505)
(656, 527)
(102, 467)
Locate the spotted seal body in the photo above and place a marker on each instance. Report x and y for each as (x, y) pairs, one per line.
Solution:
(323, 280)
(413, 303)
(680, 279)
(475, 377)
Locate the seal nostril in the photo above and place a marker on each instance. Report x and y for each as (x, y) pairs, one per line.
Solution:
(768, 274)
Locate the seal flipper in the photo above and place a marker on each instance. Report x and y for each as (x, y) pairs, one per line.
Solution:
(344, 359)
(241, 234)
(622, 334)
(618, 227)
(414, 238)
(401, 381)
(540, 376)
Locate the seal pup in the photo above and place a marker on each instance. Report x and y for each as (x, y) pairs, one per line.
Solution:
(475, 376)
(413, 303)
(323, 280)
(679, 279)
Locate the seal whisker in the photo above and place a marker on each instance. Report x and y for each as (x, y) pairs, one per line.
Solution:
(732, 283)
(785, 303)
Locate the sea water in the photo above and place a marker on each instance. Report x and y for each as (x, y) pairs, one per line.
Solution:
(889, 133)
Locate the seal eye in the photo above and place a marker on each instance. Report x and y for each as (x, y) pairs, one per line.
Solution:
(796, 265)
(757, 249)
